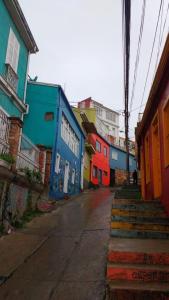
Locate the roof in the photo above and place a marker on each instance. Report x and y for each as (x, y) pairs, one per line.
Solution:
(18, 18)
(120, 149)
(164, 61)
(67, 102)
(100, 104)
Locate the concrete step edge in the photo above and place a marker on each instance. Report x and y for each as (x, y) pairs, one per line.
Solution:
(137, 285)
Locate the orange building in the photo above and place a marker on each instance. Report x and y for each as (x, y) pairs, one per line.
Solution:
(152, 135)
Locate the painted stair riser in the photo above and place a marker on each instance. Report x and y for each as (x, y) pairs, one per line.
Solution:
(137, 202)
(139, 234)
(138, 213)
(137, 295)
(131, 226)
(132, 274)
(137, 207)
(153, 220)
(138, 258)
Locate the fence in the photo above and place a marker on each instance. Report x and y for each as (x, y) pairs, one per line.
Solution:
(4, 132)
(28, 155)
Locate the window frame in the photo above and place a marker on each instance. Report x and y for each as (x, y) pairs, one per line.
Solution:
(98, 143)
(13, 51)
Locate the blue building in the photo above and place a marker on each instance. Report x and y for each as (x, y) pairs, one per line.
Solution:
(118, 165)
(56, 128)
(17, 43)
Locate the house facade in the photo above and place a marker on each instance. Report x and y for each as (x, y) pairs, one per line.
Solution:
(152, 135)
(118, 173)
(99, 167)
(107, 120)
(59, 132)
(17, 43)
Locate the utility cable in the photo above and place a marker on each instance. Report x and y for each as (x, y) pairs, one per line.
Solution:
(159, 13)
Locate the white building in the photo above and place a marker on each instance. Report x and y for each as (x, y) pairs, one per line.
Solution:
(107, 120)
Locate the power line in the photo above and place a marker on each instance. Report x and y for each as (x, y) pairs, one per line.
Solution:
(161, 37)
(151, 55)
(138, 52)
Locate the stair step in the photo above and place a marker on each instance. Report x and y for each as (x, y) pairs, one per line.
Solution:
(138, 257)
(137, 202)
(142, 207)
(137, 272)
(139, 226)
(138, 219)
(134, 290)
(135, 213)
(139, 234)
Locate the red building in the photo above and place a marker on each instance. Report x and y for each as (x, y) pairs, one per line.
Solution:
(152, 136)
(100, 166)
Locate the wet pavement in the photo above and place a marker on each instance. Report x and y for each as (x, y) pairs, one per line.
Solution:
(65, 255)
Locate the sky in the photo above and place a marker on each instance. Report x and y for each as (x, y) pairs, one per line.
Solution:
(80, 47)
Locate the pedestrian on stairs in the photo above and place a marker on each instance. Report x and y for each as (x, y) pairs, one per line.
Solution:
(135, 177)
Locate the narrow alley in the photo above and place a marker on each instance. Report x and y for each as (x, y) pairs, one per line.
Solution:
(60, 255)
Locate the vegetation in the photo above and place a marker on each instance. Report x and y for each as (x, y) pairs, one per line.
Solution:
(7, 157)
(32, 175)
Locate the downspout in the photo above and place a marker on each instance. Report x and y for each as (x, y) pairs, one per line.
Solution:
(54, 149)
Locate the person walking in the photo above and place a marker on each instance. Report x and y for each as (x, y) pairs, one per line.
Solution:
(135, 178)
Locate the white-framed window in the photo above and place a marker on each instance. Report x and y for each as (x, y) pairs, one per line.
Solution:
(12, 54)
(110, 116)
(114, 155)
(105, 151)
(73, 176)
(98, 146)
(57, 163)
(69, 136)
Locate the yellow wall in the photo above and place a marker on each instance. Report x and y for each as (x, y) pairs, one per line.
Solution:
(90, 113)
(87, 158)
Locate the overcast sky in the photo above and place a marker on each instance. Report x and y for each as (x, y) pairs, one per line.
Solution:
(80, 43)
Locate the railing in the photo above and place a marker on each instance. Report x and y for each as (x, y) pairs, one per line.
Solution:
(4, 132)
(11, 77)
(28, 155)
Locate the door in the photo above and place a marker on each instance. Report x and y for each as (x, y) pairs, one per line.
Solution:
(99, 176)
(66, 178)
(112, 177)
(156, 158)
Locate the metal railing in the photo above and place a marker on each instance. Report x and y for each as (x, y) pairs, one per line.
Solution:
(4, 132)
(28, 155)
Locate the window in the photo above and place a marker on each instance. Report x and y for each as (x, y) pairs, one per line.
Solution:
(49, 116)
(57, 163)
(98, 146)
(166, 133)
(130, 162)
(95, 171)
(114, 155)
(105, 151)
(69, 136)
(98, 111)
(73, 176)
(110, 116)
(12, 55)
(147, 158)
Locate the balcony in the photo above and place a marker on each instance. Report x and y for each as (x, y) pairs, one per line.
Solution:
(11, 77)
(4, 132)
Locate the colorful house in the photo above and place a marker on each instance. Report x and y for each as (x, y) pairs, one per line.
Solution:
(17, 43)
(99, 167)
(56, 129)
(118, 173)
(152, 136)
(96, 163)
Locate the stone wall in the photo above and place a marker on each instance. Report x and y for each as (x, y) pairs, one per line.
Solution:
(121, 176)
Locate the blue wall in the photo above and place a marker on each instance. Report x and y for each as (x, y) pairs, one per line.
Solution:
(6, 23)
(41, 99)
(57, 180)
(120, 163)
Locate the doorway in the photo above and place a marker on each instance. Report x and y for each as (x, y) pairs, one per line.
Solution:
(99, 176)
(156, 158)
(112, 177)
(66, 178)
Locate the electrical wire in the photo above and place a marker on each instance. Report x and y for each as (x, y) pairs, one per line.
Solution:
(161, 38)
(138, 53)
(159, 13)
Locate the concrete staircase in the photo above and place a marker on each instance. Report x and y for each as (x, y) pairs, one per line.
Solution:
(138, 255)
